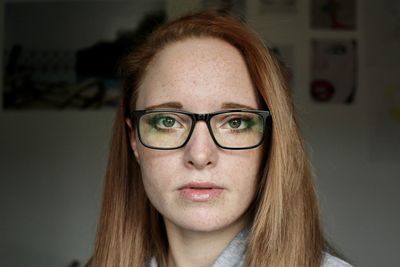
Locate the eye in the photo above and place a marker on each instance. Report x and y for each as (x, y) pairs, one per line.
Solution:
(168, 122)
(235, 123)
(238, 123)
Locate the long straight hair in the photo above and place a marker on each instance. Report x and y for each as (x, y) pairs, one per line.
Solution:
(285, 228)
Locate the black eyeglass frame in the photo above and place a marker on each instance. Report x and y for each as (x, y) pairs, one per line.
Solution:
(206, 117)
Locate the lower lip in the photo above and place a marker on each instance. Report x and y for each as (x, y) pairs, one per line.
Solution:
(200, 195)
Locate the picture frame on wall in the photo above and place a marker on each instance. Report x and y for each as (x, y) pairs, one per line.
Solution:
(333, 70)
(333, 14)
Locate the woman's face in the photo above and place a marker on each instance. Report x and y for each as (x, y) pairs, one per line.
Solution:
(199, 75)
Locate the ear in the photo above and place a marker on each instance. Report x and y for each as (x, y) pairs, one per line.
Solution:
(133, 139)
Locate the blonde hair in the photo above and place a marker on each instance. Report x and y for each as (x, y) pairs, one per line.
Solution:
(286, 227)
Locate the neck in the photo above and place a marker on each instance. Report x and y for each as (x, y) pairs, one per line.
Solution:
(198, 248)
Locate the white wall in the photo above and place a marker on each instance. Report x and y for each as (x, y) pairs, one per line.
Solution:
(52, 164)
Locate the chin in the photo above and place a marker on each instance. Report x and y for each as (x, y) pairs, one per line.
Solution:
(201, 226)
(204, 221)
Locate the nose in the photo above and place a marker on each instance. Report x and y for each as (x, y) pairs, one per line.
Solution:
(200, 151)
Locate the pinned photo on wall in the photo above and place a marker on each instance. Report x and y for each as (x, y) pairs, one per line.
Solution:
(277, 6)
(48, 65)
(333, 14)
(285, 55)
(333, 71)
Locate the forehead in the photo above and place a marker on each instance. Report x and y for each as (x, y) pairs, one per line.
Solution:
(200, 73)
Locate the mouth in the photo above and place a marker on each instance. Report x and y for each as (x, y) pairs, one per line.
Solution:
(201, 186)
(200, 192)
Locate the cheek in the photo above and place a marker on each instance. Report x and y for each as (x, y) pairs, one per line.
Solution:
(244, 181)
(240, 173)
(154, 185)
(246, 168)
(158, 172)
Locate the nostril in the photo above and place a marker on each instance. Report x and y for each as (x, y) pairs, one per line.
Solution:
(199, 163)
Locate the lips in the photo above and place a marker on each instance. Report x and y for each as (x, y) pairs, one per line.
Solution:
(200, 192)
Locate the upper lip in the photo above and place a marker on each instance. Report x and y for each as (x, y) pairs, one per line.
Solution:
(201, 185)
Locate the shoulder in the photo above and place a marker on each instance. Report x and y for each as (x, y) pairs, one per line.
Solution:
(332, 261)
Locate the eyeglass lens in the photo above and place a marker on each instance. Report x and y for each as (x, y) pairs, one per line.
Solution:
(170, 129)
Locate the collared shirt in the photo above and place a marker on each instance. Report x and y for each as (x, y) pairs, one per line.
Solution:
(235, 253)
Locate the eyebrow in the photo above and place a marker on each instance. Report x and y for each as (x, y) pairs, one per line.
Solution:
(233, 105)
(178, 105)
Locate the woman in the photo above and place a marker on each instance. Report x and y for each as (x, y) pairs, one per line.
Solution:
(207, 166)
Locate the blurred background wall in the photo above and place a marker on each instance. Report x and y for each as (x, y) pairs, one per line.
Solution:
(52, 163)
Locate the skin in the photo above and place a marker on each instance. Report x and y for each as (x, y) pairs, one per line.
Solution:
(201, 74)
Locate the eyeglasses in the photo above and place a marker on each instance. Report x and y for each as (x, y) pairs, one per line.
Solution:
(171, 129)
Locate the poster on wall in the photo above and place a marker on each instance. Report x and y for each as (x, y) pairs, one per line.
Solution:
(277, 6)
(333, 71)
(333, 14)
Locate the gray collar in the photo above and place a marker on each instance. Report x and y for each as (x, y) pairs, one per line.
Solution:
(235, 253)
(232, 256)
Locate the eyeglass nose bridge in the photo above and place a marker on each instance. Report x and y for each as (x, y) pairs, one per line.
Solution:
(206, 117)
(201, 117)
